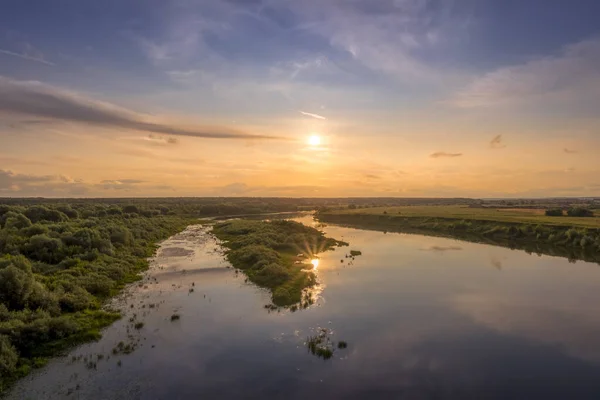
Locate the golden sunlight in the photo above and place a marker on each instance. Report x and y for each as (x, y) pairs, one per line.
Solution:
(315, 263)
(314, 140)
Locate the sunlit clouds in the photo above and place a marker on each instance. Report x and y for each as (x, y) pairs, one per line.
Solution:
(308, 98)
(317, 116)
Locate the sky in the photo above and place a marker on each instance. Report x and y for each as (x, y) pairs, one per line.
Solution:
(311, 98)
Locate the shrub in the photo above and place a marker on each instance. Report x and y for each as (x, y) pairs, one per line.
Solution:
(580, 212)
(78, 299)
(130, 209)
(15, 287)
(41, 213)
(35, 229)
(68, 211)
(554, 212)
(14, 220)
(8, 357)
(121, 235)
(271, 275)
(281, 296)
(41, 298)
(43, 248)
(253, 256)
(96, 284)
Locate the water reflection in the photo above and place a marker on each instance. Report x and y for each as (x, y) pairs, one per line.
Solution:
(419, 326)
(315, 263)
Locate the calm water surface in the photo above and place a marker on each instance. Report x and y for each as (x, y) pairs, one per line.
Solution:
(424, 318)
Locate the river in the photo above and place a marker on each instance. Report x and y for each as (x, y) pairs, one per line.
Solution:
(424, 318)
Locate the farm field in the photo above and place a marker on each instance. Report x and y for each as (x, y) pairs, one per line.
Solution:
(511, 215)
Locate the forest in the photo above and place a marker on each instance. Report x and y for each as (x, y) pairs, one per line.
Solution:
(59, 263)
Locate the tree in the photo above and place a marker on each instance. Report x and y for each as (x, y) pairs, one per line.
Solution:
(41, 213)
(68, 211)
(14, 220)
(130, 209)
(580, 212)
(15, 287)
(554, 212)
(8, 357)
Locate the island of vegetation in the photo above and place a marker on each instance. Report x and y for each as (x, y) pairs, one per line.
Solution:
(574, 234)
(275, 255)
(59, 264)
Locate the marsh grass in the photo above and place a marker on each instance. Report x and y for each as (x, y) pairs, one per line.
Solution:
(321, 345)
(268, 252)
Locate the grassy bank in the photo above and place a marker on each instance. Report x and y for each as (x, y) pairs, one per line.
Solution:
(268, 252)
(529, 230)
(59, 265)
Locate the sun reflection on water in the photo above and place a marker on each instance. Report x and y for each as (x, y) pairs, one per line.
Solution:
(315, 263)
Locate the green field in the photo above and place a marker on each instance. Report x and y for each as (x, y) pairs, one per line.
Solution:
(511, 215)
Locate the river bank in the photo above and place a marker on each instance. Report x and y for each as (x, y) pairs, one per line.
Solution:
(572, 242)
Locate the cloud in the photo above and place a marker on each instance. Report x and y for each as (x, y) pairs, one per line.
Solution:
(239, 188)
(317, 116)
(372, 176)
(24, 185)
(441, 249)
(496, 142)
(10, 180)
(36, 185)
(569, 151)
(573, 74)
(120, 184)
(386, 36)
(161, 140)
(36, 99)
(25, 56)
(442, 154)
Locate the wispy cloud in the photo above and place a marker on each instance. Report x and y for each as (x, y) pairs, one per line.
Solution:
(25, 56)
(574, 73)
(239, 189)
(441, 249)
(388, 37)
(496, 142)
(317, 116)
(28, 184)
(442, 154)
(120, 184)
(372, 176)
(570, 151)
(36, 99)
(161, 140)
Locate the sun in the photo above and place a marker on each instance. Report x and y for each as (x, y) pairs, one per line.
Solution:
(314, 140)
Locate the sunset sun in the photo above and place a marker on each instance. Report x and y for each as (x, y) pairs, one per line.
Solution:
(314, 140)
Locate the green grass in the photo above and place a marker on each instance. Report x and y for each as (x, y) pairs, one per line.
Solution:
(530, 216)
(268, 252)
